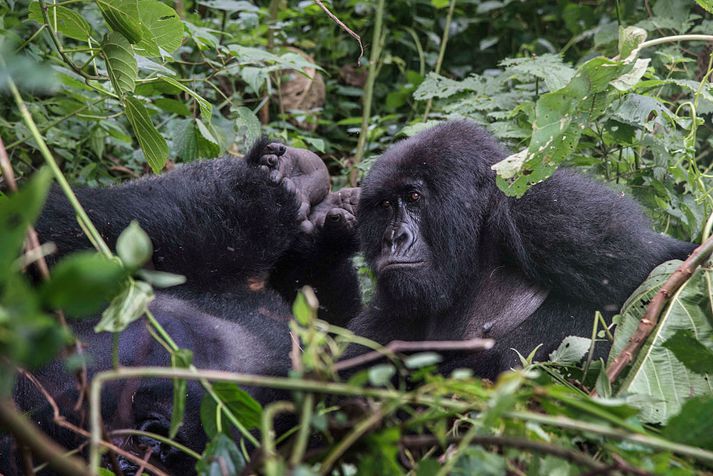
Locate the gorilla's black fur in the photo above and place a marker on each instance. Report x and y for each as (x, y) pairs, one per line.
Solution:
(234, 233)
(455, 258)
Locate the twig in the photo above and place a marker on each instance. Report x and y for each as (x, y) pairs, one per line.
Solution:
(343, 27)
(413, 346)
(46, 449)
(60, 420)
(268, 435)
(420, 441)
(655, 307)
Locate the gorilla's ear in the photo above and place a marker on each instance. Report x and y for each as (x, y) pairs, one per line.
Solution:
(256, 151)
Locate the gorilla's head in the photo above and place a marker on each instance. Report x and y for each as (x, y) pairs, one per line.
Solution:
(421, 212)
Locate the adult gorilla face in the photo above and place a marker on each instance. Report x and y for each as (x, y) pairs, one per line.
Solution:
(420, 214)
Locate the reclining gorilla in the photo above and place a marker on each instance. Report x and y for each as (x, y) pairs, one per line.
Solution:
(246, 234)
(455, 258)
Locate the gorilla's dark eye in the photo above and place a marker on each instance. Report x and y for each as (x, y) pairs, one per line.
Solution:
(412, 197)
(385, 204)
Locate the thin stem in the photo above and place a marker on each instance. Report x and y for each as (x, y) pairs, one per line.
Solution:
(272, 465)
(298, 450)
(673, 39)
(441, 52)
(374, 56)
(162, 439)
(82, 216)
(58, 46)
(359, 430)
(41, 445)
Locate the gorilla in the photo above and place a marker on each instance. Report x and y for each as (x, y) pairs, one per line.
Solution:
(247, 234)
(455, 258)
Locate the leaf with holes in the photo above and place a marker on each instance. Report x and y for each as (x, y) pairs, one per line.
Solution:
(151, 141)
(161, 28)
(120, 63)
(658, 383)
(128, 306)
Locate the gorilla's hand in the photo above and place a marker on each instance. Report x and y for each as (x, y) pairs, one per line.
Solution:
(335, 217)
(299, 171)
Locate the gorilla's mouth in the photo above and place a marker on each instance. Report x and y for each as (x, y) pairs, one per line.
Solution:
(399, 264)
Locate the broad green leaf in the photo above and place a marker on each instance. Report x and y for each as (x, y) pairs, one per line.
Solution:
(560, 118)
(220, 457)
(657, 382)
(571, 350)
(629, 80)
(68, 22)
(122, 17)
(17, 212)
(180, 359)
(183, 140)
(691, 352)
(245, 408)
(439, 3)
(692, 426)
(120, 63)
(134, 246)
(82, 282)
(161, 28)
(151, 141)
(125, 308)
(707, 5)
(476, 460)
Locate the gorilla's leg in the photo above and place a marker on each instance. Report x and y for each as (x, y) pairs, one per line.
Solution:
(217, 222)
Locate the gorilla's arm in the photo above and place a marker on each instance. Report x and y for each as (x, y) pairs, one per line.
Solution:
(581, 239)
(322, 259)
(208, 220)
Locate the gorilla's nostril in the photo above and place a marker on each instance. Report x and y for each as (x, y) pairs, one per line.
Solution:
(277, 149)
(335, 217)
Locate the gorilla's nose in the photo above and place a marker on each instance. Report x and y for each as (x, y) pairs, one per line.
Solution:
(398, 238)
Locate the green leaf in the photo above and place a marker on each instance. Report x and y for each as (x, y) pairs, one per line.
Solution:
(205, 107)
(548, 67)
(658, 383)
(571, 350)
(68, 22)
(692, 426)
(436, 86)
(245, 408)
(180, 359)
(82, 282)
(125, 308)
(122, 16)
(161, 28)
(120, 63)
(707, 5)
(151, 141)
(247, 126)
(305, 306)
(134, 246)
(161, 279)
(220, 457)
(422, 359)
(629, 40)
(380, 375)
(17, 212)
(690, 351)
(439, 3)
(230, 5)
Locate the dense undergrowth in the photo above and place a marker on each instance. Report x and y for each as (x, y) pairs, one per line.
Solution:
(104, 91)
